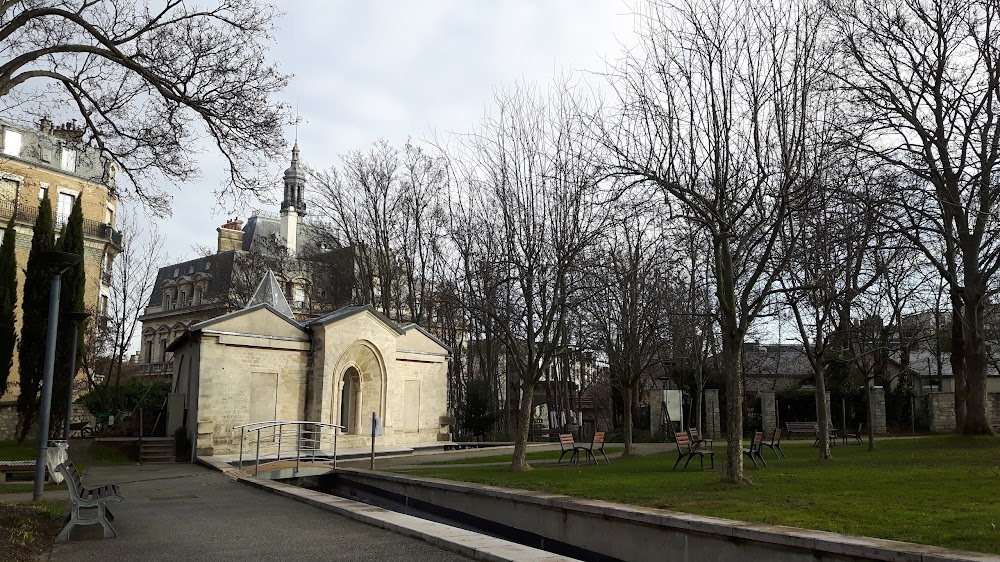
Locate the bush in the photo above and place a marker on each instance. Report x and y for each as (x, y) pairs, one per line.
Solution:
(120, 399)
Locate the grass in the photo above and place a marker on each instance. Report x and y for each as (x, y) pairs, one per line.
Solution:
(84, 453)
(27, 531)
(533, 456)
(934, 490)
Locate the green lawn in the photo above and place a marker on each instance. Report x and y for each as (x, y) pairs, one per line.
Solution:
(534, 456)
(938, 490)
(85, 453)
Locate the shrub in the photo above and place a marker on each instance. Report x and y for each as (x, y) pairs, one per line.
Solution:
(120, 399)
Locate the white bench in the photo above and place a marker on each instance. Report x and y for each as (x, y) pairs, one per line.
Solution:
(85, 498)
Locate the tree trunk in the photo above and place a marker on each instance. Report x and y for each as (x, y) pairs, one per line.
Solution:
(871, 415)
(628, 421)
(958, 360)
(823, 413)
(976, 404)
(732, 350)
(518, 462)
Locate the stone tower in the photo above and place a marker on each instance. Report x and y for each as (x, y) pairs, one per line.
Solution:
(293, 205)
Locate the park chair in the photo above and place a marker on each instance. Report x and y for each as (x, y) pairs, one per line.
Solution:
(754, 449)
(775, 444)
(856, 435)
(697, 441)
(568, 445)
(833, 434)
(686, 450)
(596, 446)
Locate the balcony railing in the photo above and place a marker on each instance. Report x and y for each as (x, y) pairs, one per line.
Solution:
(28, 214)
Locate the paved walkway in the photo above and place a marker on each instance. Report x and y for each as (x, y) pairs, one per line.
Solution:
(191, 513)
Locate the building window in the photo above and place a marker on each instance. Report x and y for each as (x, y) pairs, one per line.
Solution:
(43, 191)
(208, 265)
(199, 294)
(166, 300)
(68, 159)
(11, 143)
(104, 305)
(163, 350)
(177, 272)
(182, 301)
(149, 351)
(64, 207)
(109, 215)
(8, 192)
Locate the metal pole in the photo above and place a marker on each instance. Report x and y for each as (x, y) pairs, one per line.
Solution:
(298, 446)
(242, 437)
(372, 467)
(335, 446)
(256, 462)
(46, 405)
(72, 376)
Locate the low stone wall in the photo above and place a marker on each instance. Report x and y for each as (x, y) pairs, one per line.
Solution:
(8, 420)
(620, 532)
(941, 407)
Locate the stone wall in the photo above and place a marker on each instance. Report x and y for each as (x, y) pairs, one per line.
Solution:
(941, 407)
(713, 423)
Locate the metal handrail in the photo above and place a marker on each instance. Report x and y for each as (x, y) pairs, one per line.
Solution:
(307, 437)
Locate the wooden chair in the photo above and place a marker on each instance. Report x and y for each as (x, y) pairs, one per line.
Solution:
(856, 436)
(686, 450)
(697, 441)
(568, 445)
(596, 446)
(754, 449)
(775, 444)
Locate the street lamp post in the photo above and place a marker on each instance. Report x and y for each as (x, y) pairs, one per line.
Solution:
(77, 318)
(58, 262)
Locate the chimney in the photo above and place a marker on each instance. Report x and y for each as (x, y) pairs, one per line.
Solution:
(45, 125)
(230, 235)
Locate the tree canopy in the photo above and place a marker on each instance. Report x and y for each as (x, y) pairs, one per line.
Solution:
(150, 81)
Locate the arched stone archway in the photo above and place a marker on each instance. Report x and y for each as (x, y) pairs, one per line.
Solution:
(360, 388)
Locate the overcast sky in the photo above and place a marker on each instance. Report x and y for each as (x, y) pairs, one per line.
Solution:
(394, 69)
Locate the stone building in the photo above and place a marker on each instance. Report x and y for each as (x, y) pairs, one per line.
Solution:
(314, 275)
(259, 364)
(52, 162)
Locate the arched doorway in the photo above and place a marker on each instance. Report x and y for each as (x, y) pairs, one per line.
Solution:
(350, 398)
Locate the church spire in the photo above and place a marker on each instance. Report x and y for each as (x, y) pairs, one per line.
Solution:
(295, 184)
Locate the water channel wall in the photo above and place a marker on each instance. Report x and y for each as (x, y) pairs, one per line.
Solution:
(610, 531)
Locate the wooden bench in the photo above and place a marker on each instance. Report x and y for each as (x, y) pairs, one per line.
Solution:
(811, 428)
(753, 451)
(9, 468)
(856, 436)
(543, 434)
(596, 446)
(686, 450)
(90, 499)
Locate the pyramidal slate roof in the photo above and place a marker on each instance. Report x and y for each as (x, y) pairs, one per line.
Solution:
(269, 292)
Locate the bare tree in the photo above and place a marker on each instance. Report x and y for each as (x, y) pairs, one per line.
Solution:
(626, 310)
(925, 77)
(714, 111)
(143, 77)
(526, 208)
(387, 206)
(132, 280)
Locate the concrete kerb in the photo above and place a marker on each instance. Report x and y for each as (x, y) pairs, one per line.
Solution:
(467, 543)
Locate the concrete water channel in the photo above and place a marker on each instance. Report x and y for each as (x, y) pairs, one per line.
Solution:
(524, 525)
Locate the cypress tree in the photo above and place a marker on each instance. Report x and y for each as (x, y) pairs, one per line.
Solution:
(8, 304)
(70, 300)
(31, 348)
